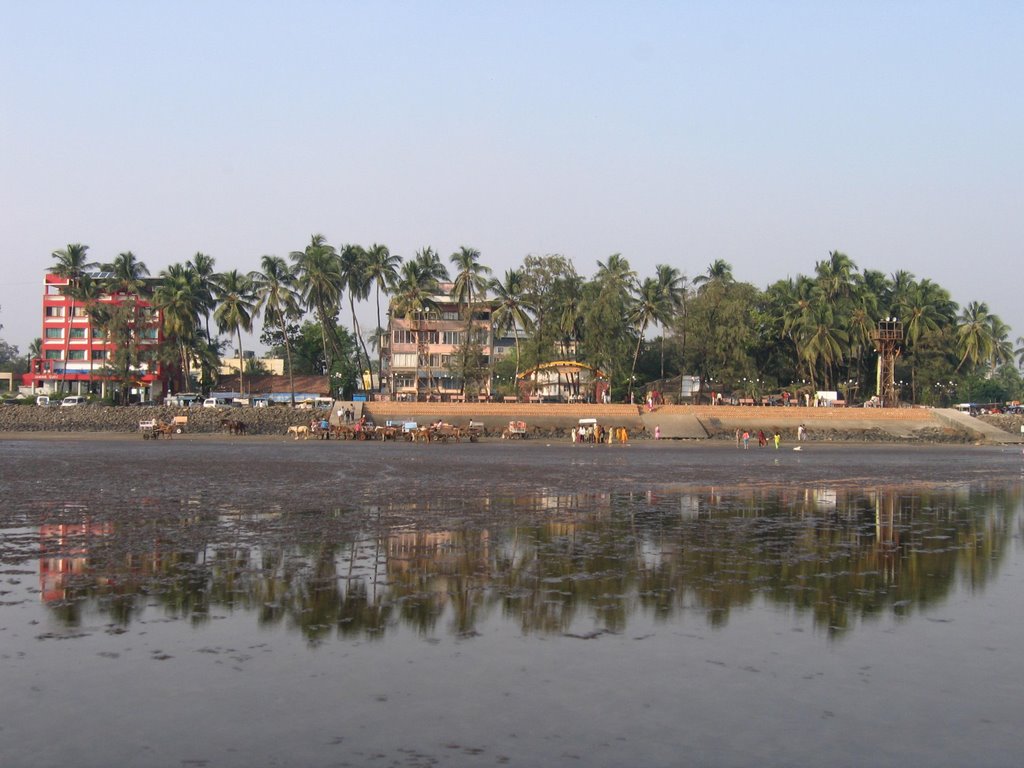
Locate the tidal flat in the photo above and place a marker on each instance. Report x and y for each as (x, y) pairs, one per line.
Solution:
(269, 602)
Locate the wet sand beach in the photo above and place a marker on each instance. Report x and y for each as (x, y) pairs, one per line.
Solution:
(222, 601)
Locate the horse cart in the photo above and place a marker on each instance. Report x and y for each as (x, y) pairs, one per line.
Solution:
(152, 429)
(516, 430)
(475, 431)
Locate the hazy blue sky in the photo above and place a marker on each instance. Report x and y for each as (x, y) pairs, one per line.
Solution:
(762, 133)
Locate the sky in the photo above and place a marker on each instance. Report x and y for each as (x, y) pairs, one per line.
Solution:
(763, 133)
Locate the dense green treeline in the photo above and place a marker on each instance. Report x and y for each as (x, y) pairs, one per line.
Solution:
(808, 332)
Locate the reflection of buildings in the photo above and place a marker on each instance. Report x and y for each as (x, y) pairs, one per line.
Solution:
(543, 561)
(64, 554)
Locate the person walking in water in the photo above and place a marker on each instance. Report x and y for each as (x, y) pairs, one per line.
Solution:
(777, 438)
(746, 439)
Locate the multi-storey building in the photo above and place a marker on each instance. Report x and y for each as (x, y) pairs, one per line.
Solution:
(77, 355)
(419, 350)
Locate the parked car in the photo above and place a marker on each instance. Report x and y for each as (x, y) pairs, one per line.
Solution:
(42, 400)
(73, 400)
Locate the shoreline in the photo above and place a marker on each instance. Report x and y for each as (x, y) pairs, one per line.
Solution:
(549, 422)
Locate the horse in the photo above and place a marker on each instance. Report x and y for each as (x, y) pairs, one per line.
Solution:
(301, 429)
(233, 426)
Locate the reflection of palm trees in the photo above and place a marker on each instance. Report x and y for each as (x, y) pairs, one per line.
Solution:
(837, 556)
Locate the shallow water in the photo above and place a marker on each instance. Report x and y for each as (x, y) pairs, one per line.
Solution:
(231, 603)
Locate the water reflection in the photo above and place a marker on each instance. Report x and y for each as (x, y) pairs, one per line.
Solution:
(581, 564)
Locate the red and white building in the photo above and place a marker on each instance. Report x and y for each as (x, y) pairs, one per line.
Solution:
(76, 356)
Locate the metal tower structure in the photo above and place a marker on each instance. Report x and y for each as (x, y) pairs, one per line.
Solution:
(888, 339)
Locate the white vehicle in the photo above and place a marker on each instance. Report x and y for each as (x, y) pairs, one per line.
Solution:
(72, 400)
(42, 400)
(184, 399)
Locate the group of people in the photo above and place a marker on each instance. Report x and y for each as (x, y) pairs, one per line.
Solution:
(598, 434)
(743, 438)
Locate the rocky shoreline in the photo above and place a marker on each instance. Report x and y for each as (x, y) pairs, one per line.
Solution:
(275, 421)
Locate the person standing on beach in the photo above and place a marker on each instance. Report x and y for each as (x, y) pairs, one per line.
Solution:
(746, 439)
(738, 433)
(762, 441)
(777, 438)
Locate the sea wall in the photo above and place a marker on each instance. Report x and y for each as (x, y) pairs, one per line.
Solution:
(96, 418)
(720, 422)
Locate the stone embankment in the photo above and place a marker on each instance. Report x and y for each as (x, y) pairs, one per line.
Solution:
(96, 418)
(548, 420)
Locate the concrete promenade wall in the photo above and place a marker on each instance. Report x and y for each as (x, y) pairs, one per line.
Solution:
(716, 419)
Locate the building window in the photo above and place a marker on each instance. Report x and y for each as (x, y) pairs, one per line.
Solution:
(404, 381)
(80, 311)
(54, 354)
(403, 360)
(78, 333)
(76, 354)
(55, 333)
(55, 311)
(99, 354)
(450, 315)
(148, 333)
(452, 337)
(99, 333)
(404, 337)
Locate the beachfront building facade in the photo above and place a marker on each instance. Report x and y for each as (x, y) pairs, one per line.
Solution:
(563, 381)
(425, 353)
(99, 347)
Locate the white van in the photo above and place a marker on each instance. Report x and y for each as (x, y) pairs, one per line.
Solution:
(42, 400)
(72, 400)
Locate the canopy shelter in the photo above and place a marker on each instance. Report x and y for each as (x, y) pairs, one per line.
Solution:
(563, 381)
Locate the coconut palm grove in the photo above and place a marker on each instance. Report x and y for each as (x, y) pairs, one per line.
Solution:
(803, 333)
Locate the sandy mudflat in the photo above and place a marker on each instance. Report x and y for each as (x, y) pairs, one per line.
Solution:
(275, 469)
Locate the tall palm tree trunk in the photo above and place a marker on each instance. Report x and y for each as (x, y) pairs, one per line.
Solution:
(241, 363)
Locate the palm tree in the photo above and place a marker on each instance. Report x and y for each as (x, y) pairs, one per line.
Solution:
(202, 266)
(1019, 352)
(321, 283)
(89, 293)
(355, 274)
(180, 298)
(382, 272)
(71, 266)
(470, 277)
(824, 342)
(719, 271)
(127, 275)
(974, 334)
(274, 290)
(616, 273)
(430, 265)
(922, 306)
(235, 304)
(672, 283)
(650, 304)
(836, 275)
(513, 310)
(1002, 349)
